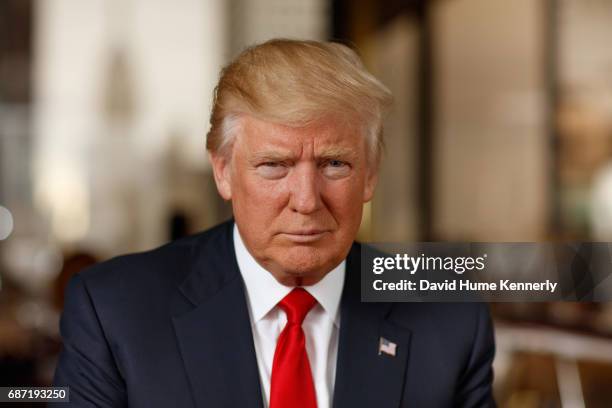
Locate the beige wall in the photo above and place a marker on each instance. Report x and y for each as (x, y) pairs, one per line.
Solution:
(491, 150)
(393, 54)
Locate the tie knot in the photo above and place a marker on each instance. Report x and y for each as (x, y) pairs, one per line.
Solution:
(297, 304)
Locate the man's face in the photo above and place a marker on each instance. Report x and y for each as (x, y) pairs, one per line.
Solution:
(297, 194)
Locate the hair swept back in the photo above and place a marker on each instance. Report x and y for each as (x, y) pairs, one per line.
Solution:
(297, 83)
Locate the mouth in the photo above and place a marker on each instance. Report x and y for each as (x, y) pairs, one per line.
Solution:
(305, 236)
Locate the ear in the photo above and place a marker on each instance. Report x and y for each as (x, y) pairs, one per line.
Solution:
(370, 184)
(222, 171)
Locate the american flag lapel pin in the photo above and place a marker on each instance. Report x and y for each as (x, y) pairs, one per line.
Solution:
(387, 347)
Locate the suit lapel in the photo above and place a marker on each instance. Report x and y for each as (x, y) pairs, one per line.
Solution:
(214, 337)
(363, 376)
(216, 342)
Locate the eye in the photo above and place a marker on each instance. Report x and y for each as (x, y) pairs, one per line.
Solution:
(336, 169)
(272, 170)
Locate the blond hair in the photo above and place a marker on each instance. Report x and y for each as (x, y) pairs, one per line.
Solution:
(297, 83)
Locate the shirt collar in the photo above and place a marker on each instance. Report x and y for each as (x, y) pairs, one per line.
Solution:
(264, 291)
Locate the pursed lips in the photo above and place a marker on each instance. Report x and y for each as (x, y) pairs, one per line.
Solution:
(306, 231)
(305, 235)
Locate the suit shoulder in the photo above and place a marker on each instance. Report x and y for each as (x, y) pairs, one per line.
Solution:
(463, 313)
(167, 264)
(462, 320)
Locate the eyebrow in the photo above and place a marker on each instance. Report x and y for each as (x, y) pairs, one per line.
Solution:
(337, 152)
(330, 153)
(272, 156)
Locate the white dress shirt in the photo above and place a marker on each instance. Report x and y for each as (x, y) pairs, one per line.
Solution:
(321, 325)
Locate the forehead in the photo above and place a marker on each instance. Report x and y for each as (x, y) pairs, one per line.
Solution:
(327, 134)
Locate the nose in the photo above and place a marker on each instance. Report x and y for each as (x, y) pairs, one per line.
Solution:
(305, 190)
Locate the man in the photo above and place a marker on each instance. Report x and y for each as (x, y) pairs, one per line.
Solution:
(265, 310)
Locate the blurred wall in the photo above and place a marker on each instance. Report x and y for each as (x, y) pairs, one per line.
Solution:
(255, 21)
(491, 152)
(118, 85)
(394, 57)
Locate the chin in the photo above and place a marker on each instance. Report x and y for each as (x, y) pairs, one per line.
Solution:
(306, 261)
(302, 268)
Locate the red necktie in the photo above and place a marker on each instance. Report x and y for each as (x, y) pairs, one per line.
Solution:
(291, 383)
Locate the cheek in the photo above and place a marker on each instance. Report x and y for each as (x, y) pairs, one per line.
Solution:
(259, 196)
(345, 199)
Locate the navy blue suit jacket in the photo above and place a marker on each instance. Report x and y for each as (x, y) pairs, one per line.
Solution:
(170, 328)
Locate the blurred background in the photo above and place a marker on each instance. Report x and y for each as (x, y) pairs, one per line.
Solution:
(501, 131)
